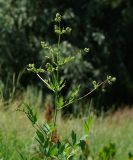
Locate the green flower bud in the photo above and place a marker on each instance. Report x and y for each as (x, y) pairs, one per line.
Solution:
(63, 31)
(113, 79)
(31, 68)
(57, 30)
(68, 29)
(95, 84)
(110, 79)
(44, 44)
(86, 50)
(31, 65)
(57, 17)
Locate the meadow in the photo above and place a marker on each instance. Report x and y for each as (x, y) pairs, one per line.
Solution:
(30, 129)
(17, 134)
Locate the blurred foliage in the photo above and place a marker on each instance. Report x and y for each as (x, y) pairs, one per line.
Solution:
(104, 26)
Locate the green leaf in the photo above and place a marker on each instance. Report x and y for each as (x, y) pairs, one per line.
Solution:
(55, 84)
(22, 157)
(74, 137)
(82, 144)
(61, 147)
(40, 135)
(73, 94)
(46, 128)
(53, 151)
(29, 113)
(108, 152)
(63, 61)
(61, 84)
(70, 157)
(88, 124)
(49, 68)
(59, 102)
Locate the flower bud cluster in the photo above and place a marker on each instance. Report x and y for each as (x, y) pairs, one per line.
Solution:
(45, 44)
(68, 30)
(111, 79)
(95, 84)
(86, 50)
(31, 67)
(58, 29)
(49, 67)
(62, 31)
(57, 17)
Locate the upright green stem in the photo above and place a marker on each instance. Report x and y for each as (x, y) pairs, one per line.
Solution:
(59, 37)
(58, 46)
(55, 112)
(56, 94)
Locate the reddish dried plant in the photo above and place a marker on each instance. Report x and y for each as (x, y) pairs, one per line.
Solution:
(55, 137)
(48, 113)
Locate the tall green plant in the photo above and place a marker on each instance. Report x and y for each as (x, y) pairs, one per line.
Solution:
(50, 147)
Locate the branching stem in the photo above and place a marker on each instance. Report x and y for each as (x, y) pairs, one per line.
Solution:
(87, 94)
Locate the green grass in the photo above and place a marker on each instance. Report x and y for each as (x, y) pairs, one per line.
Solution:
(17, 134)
(116, 129)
